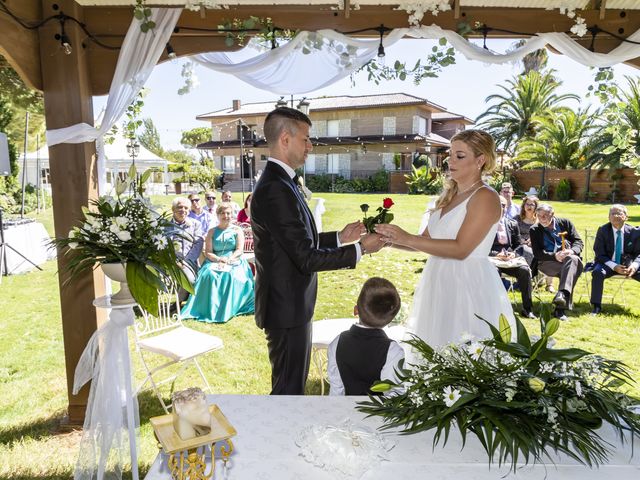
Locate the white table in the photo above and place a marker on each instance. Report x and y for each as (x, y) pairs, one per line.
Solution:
(325, 331)
(30, 239)
(267, 427)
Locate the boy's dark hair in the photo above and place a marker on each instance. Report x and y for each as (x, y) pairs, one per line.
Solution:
(378, 302)
(280, 119)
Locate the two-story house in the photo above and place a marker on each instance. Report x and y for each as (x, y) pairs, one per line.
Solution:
(352, 136)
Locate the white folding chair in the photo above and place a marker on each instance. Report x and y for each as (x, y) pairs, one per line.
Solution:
(165, 335)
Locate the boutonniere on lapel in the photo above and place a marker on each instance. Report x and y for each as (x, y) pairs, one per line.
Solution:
(383, 216)
(304, 190)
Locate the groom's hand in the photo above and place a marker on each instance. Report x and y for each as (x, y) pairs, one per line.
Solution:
(352, 232)
(372, 242)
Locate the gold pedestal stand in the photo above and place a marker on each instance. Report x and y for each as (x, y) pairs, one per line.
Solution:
(188, 458)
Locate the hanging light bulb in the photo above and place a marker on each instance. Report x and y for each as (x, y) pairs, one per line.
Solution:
(66, 45)
(171, 53)
(381, 53)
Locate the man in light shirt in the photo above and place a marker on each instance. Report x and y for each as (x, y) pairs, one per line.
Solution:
(616, 252)
(512, 210)
(197, 212)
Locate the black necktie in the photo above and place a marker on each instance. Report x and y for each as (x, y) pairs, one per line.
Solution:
(295, 179)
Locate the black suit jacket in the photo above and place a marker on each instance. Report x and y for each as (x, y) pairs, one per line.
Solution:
(289, 252)
(604, 245)
(538, 232)
(513, 238)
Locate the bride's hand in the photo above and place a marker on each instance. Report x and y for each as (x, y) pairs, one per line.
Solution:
(392, 234)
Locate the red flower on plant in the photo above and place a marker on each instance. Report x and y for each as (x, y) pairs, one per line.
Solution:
(387, 203)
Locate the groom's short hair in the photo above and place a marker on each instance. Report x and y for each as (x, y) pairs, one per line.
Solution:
(378, 302)
(280, 119)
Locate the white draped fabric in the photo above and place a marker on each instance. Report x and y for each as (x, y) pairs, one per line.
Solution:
(110, 430)
(313, 60)
(139, 54)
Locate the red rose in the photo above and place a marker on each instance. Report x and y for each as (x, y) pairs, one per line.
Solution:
(387, 203)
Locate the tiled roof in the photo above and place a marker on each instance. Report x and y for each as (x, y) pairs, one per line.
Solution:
(328, 103)
(437, 116)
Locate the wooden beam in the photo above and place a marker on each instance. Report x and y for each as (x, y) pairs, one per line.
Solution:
(20, 46)
(603, 8)
(67, 101)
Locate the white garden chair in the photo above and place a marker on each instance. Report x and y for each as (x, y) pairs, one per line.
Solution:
(165, 335)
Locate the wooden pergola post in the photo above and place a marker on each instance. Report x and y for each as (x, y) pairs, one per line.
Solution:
(68, 100)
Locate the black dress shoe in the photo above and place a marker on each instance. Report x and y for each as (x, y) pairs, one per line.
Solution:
(560, 300)
(559, 314)
(597, 309)
(527, 314)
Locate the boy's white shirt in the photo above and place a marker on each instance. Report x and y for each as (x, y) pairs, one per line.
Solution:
(394, 355)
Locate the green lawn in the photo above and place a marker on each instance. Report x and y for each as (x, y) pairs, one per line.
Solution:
(33, 393)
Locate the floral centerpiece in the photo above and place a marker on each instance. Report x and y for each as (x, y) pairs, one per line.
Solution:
(383, 216)
(521, 399)
(125, 230)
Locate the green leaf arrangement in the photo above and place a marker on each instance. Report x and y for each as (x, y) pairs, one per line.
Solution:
(383, 215)
(124, 229)
(521, 398)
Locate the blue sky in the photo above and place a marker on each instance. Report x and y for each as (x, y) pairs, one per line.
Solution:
(461, 88)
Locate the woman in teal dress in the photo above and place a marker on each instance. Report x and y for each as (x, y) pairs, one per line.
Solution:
(224, 287)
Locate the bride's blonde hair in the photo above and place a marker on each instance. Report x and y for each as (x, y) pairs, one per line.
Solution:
(482, 144)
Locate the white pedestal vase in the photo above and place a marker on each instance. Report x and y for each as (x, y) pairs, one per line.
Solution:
(118, 273)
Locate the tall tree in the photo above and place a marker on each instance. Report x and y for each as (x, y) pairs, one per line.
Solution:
(535, 61)
(19, 99)
(150, 138)
(563, 141)
(526, 100)
(192, 138)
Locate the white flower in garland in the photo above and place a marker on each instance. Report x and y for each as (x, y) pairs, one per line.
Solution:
(580, 26)
(451, 395)
(475, 350)
(416, 10)
(123, 235)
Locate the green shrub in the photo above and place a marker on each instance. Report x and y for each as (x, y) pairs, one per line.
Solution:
(319, 183)
(563, 190)
(424, 181)
(380, 181)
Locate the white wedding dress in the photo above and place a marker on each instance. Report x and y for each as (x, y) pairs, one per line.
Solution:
(452, 292)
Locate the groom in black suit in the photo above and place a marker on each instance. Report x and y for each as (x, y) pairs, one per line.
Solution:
(289, 251)
(609, 261)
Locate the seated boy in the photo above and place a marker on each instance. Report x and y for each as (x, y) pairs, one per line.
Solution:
(363, 354)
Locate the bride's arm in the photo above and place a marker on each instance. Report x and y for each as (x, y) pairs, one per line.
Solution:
(483, 210)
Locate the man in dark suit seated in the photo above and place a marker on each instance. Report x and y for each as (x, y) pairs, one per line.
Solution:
(557, 247)
(504, 248)
(616, 253)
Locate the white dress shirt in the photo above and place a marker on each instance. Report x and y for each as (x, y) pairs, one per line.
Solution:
(394, 355)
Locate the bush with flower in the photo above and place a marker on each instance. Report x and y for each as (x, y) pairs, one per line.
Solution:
(522, 399)
(383, 216)
(124, 229)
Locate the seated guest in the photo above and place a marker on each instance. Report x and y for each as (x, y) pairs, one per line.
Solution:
(186, 234)
(557, 256)
(244, 215)
(235, 208)
(210, 203)
(363, 354)
(505, 247)
(526, 219)
(512, 211)
(224, 287)
(616, 252)
(198, 213)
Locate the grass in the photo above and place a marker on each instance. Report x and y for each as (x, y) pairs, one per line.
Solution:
(32, 374)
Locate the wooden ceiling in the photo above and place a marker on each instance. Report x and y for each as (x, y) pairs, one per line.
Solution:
(110, 23)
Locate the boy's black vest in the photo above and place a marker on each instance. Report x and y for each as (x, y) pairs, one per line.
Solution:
(360, 356)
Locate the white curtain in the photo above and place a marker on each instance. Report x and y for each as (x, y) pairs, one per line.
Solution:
(313, 60)
(138, 56)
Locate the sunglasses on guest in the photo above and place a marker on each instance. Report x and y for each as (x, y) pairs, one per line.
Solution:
(210, 198)
(195, 200)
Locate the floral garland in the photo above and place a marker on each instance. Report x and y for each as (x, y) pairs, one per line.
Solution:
(416, 10)
(521, 399)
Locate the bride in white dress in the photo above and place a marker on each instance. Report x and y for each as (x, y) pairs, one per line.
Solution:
(458, 281)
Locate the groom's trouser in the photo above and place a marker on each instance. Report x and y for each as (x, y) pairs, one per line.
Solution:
(289, 354)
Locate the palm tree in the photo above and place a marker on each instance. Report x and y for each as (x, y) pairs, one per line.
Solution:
(526, 101)
(534, 61)
(563, 141)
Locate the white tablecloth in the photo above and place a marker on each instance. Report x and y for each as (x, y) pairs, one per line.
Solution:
(268, 425)
(30, 239)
